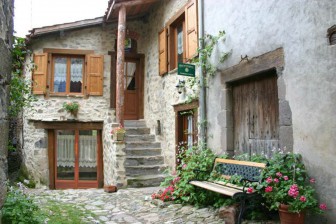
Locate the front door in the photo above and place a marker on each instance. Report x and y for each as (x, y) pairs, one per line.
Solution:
(77, 158)
(131, 86)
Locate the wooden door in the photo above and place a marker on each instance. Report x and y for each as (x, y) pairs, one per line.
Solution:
(77, 159)
(131, 87)
(256, 114)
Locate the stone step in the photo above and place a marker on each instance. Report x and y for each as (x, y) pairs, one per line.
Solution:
(145, 180)
(143, 152)
(139, 138)
(135, 123)
(137, 131)
(144, 160)
(141, 144)
(134, 171)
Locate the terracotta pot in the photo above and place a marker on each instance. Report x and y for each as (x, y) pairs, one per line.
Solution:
(287, 217)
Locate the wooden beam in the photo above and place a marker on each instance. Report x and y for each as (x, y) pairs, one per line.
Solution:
(133, 3)
(120, 65)
(66, 125)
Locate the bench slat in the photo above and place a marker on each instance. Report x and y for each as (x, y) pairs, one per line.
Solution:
(216, 187)
(239, 162)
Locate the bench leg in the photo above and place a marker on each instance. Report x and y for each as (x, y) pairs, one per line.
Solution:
(241, 210)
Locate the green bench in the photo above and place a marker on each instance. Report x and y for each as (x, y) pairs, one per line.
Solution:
(226, 168)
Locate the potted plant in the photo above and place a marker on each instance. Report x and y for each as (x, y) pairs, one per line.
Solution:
(71, 107)
(118, 133)
(287, 188)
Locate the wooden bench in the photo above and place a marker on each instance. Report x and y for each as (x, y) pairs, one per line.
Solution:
(248, 172)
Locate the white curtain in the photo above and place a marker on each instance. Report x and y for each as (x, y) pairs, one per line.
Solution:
(76, 69)
(60, 74)
(129, 69)
(66, 149)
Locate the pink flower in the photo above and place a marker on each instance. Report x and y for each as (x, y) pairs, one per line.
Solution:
(312, 180)
(293, 191)
(176, 180)
(268, 189)
(285, 178)
(269, 180)
(184, 166)
(250, 190)
(323, 206)
(303, 199)
(279, 174)
(276, 180)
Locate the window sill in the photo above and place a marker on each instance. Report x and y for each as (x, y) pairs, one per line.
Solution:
(66, 95)
(172, 71)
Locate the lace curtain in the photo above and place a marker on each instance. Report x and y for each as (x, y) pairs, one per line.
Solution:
(129, 69)
(60, 74)
(87, 151)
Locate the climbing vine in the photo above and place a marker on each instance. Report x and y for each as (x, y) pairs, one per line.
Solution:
(204, 60)
(20, 95)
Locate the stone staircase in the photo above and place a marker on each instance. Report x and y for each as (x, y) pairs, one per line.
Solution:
(144, 163)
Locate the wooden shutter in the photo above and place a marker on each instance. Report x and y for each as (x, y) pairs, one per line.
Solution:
(163, 68)
(191, 29)
(95, 74)
(40, 73)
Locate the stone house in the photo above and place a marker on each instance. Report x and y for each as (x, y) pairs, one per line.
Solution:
(6, 41)
(275, 90)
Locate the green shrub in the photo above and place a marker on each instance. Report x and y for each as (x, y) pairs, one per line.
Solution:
(19, 208)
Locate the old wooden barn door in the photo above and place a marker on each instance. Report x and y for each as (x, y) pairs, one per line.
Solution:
(256, 114)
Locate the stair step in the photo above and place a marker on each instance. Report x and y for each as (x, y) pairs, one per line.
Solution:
(143, 160)
(137, 131)
(135, 123)
(141, 144)
(138, 138)
(145, 180)
(143, 152)
(134, 171)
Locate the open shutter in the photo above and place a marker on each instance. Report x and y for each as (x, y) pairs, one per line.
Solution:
(163, 68)
(95, 74)
(191, 29)
(40, 73)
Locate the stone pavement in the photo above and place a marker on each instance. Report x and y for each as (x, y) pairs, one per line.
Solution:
(132, 205)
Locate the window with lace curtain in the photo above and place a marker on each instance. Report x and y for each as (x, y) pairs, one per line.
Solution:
(67, 74)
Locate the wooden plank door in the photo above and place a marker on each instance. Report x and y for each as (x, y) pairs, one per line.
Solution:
(256, 114)
(131, 87)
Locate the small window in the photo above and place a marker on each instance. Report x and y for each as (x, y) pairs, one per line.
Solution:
(68, 73)
(176, 41)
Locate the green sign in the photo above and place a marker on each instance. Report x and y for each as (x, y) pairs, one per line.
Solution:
(186, 69)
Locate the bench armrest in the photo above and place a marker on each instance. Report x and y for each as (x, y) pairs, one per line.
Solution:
(246, 182)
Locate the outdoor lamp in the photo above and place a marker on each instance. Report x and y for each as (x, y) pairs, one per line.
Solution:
(180, 86)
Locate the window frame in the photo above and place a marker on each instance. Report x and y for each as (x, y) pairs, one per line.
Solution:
(173, 42)
(68, 75)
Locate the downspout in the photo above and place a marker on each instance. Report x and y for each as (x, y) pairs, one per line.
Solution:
(202, 101)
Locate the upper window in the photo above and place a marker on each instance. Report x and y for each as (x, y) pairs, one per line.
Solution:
(68, 72)
(178, 41)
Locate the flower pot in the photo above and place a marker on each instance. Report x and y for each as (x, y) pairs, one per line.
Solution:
(287, 217)
(118, 136)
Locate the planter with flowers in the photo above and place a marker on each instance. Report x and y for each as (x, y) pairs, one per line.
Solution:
(288, 189)
(71, 108)
(118, 133)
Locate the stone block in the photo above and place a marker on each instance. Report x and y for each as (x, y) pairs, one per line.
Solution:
(286, 137)
(285, 113)
(229, 213)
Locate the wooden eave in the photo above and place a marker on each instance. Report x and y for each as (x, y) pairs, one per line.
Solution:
(134, 9)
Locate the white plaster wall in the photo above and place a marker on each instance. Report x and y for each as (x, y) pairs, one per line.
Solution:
(300, 27)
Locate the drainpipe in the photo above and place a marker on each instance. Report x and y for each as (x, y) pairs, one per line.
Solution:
(201, 72)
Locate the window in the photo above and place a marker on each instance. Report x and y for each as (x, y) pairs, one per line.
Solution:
(178, 41)
(68, 72)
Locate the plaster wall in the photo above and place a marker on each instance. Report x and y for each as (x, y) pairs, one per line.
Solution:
(308, 81)
(6, 34)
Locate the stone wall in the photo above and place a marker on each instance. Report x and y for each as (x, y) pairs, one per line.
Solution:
(306, 86)
(6, 34)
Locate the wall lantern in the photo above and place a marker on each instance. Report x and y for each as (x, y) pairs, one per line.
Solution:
(180, 86)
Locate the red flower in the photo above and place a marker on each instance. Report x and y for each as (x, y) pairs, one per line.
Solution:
(323, 206)
(269, 189)
(250, 190)
(269, 180)
(312, 180)
(303, 199)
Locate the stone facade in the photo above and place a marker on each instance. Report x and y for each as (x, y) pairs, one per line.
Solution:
(6, 34)
(306, 83)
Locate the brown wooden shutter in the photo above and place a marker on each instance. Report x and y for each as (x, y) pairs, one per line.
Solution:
(95, 74)
(40, 73)
(191, 29)
(163, 68)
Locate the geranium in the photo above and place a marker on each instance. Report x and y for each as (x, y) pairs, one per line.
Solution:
(286, 182)
(323, 206)
(250, 190)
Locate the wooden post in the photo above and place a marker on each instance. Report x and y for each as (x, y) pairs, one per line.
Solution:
(120, 65)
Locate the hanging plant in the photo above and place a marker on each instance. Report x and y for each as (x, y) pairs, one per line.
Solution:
(71, 107)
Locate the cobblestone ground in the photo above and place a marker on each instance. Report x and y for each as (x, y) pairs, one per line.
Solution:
(126, 206)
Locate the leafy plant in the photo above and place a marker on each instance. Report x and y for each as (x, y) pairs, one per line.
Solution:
(286, 182)
(118, 130)
(19, 208)
(71, 107)
(20, 95)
